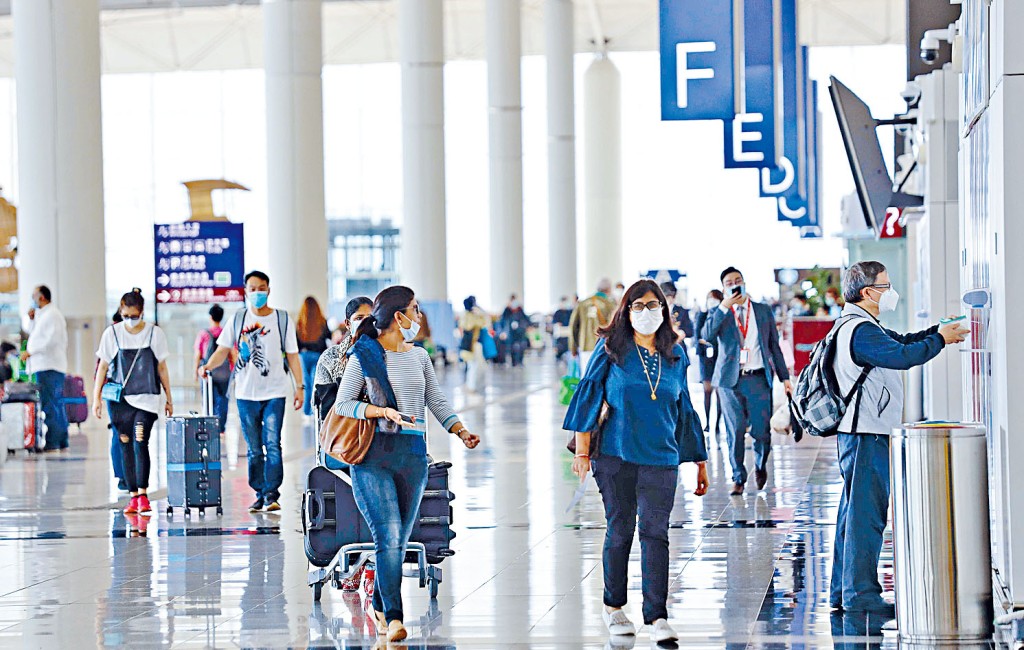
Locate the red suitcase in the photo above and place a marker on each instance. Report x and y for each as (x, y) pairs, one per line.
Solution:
(75, 403)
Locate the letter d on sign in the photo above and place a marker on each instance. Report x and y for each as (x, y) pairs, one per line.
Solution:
(684, 73)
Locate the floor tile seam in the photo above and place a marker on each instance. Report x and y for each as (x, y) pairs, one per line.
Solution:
(65, 574)
(239, 614)
(506, 567)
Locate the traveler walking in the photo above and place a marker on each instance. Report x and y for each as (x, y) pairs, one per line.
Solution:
(707, 355)
(833, 303)
(329, 370)
(133, 369)
(865, 348)
(205, 346)
(560, 327)
(473, 324)
(267, 350)
(637, 374)
(589, 316)
(513, 325)
(314, 337)
(744, 333)
(398, 380)
(680, 315)
(47, 358)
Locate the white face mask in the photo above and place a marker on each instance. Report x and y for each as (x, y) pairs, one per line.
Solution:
(713, 303)
(132, 323)
(888, 300)
(647, 321)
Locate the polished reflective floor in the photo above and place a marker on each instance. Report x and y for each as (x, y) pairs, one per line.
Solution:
(747, 572)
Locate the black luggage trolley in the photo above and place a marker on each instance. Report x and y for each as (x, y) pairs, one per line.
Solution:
(338, 541)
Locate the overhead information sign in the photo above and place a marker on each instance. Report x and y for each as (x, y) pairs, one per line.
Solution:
(751, 136)
(698, 69)
(199, 262)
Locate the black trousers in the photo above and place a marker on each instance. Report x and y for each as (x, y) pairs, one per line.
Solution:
(133, 427)
(628, 491)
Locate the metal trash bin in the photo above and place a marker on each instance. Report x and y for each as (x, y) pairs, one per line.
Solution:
(943, 560)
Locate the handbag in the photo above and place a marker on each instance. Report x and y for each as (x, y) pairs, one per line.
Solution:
(347, 439)
(112, 391)
(490, 347)
(595, 436)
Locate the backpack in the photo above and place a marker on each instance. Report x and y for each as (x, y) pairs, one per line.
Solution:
(222, 373)
(818, 404)
(282, 324)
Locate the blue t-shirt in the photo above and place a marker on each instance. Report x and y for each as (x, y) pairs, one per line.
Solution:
(663, 432)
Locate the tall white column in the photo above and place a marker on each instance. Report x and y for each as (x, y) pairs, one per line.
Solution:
(602, 171)
(295, 151)
(505, 149)
(60, 163)
(424, 243)
(559, 39)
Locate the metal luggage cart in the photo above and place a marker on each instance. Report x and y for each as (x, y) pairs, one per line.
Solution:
(354, 554)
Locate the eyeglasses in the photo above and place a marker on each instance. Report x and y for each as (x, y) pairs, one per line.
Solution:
(887, 285)
(415, 308)
(638, 306)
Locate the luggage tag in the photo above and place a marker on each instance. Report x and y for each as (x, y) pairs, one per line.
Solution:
(709, 352)
(744, 356)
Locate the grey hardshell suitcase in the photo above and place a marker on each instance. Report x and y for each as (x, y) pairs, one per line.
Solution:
(193, 459)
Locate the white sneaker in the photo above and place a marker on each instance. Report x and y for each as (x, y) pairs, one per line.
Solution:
(618, 623)
(662, 631)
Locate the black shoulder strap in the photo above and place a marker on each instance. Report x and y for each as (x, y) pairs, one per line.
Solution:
(239, 322)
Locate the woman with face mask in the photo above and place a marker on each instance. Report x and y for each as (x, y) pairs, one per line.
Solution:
(398, 381)
(635, 396)
(707, 356)
(133, 356)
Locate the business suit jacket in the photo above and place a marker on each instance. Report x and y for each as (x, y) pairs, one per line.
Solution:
(720, 327)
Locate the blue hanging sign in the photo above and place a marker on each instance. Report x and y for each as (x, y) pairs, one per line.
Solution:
(199, 262)
(698, 80)
(751, 137)
(811, 227)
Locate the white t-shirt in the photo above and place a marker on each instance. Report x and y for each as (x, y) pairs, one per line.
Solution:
(127, 341)
(262, 376)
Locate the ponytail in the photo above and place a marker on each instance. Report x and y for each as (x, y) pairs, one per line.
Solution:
(389, 302)
(367, 328)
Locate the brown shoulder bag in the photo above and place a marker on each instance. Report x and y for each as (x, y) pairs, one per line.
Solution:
(347, 439)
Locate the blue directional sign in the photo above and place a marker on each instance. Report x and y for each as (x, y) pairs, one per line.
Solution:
(751, 136)
(697, 65)
(782, 181)
(199, 262)
(812, 228)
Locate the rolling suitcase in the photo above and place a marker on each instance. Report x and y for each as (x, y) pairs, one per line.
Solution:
(330, 517)
(21, 417)
(193, 459)
(434, 526)
(75, 403)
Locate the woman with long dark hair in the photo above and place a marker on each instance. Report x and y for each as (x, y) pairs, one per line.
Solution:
(634, 395)
(133, 354)
(398, 381)
(707, 357)
(313, 336)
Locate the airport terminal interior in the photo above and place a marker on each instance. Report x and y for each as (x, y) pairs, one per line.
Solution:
(264, 261)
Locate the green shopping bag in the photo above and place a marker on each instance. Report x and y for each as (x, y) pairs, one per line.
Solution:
(569, 383)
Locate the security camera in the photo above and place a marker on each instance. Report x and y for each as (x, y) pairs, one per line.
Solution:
(931, 40)
(911, 94)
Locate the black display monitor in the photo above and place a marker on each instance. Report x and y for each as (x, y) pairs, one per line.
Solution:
(874, 185)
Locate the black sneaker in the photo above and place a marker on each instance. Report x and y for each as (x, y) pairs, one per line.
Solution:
(122, 485)
(257, 505)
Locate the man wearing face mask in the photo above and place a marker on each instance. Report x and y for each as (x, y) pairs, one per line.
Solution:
(47, 357)
(747, 340)
(864, 346)
(267, 349)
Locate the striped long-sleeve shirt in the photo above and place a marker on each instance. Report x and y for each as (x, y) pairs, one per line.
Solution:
(412, 378)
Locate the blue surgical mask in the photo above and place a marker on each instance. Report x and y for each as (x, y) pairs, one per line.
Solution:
(35, 304)
(409, 333)
(742, 287)
(258, 299)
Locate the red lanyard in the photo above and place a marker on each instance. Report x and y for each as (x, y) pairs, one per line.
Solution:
(745, 327)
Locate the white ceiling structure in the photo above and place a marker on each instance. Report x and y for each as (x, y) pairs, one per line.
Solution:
(180, 35)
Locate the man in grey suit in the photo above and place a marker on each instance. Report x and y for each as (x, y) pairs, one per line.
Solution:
(749, 354)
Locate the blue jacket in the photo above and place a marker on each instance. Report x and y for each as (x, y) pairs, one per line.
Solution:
(720, 327)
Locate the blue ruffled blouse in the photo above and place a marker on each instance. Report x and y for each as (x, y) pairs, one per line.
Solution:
(663, 432)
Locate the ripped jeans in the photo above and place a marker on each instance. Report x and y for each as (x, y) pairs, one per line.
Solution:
(132, 428)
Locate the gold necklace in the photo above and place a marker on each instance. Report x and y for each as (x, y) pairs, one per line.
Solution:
(654, 386)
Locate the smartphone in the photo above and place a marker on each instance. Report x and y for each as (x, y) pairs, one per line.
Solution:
(408, 418)
(736, 290)
(947, 321)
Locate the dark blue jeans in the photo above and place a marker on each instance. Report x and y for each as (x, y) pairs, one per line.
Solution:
(51, 391)
(115, 447)
(388, 487)
(308, 359)
(220, 402)
(261, 426)
(629, 490)
(748, 403)
(863, 510)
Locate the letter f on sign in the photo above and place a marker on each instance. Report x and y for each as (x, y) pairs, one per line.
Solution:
(684, 73)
